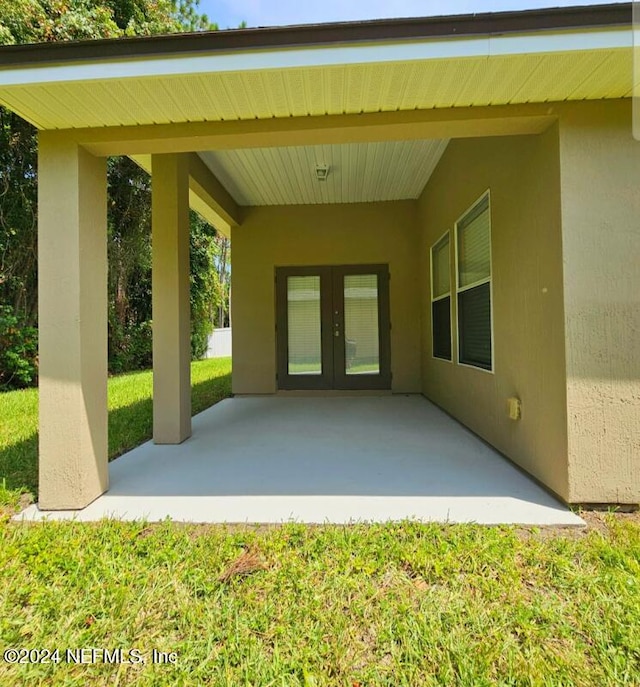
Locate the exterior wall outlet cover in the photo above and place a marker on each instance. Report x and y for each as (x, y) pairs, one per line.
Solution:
(515, 408)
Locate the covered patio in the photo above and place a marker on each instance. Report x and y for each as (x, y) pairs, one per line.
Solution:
(442, 167)
(322, 460)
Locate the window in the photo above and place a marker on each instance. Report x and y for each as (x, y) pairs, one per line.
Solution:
(473, 261)
(441, 299)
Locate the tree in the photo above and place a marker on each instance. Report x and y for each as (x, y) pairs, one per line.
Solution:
(37, 21)
(18, 213)
(129, 205)
(223, 269)
(205, 287)
(129, 276)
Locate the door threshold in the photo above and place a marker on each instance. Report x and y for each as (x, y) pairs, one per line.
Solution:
(333, 392)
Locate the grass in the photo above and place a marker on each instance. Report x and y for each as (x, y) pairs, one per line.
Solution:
(402, 604)
(392, 605)
(130, 421)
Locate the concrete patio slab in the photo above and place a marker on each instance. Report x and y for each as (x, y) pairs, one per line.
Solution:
(322, 460)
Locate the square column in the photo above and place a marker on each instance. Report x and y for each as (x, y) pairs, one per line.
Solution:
(170, 299)
(600, 175)
(72, 302)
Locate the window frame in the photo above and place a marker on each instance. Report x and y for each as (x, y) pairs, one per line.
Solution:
(447, 234)
(485, 195)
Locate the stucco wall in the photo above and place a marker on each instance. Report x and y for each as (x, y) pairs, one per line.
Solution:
(523, 176)
(322, 235)
(600, 163)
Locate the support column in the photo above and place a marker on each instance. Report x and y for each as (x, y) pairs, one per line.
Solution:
(72, 306)
(171, 307)
(600, 173)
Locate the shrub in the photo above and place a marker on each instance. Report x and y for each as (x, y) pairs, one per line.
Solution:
(18, 352)
(130, 346)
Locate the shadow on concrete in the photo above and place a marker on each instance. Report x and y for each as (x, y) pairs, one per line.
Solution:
(129, 426)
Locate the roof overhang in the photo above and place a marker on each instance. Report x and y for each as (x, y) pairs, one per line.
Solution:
(359, 82)
(380, 66)
(328, 34)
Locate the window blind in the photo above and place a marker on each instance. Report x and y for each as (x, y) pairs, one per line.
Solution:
(361, 327)
(474, 245)
(474, 326)
(441, 282)
(304, 325)
(441, 328)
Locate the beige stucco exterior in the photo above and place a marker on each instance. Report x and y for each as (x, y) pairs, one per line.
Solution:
(522, 174)
(273, 237)
(72, 300)
(522, 109)
(170, 296)
(564, 208)
(600, 173)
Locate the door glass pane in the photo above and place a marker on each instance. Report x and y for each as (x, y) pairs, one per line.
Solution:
(362, 354)
(303, 314)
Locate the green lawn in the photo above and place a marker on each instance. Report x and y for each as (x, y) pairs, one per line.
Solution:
(403, 604)
(361, 606)
(130, 420)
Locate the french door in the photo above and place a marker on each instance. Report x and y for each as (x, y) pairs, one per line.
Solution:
(332, 327)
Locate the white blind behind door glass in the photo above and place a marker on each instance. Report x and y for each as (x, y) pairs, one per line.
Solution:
(362, 355)
(304, 326)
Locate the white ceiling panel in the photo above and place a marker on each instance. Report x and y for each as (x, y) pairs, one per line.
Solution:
(337, 89)
(543, 84)
(358, 172)
(613, 75)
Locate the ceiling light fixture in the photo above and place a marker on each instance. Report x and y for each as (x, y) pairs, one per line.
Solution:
(322, 172)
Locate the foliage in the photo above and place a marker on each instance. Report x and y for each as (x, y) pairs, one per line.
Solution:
(223, 269)
(130, 332)
(130, 420)
(18, 351)
(18, 213)
(130, 346)
(204, 287)
(129, 227)
(129, 208)
(36, 21)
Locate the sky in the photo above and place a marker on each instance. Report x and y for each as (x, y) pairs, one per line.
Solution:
(229, 13)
